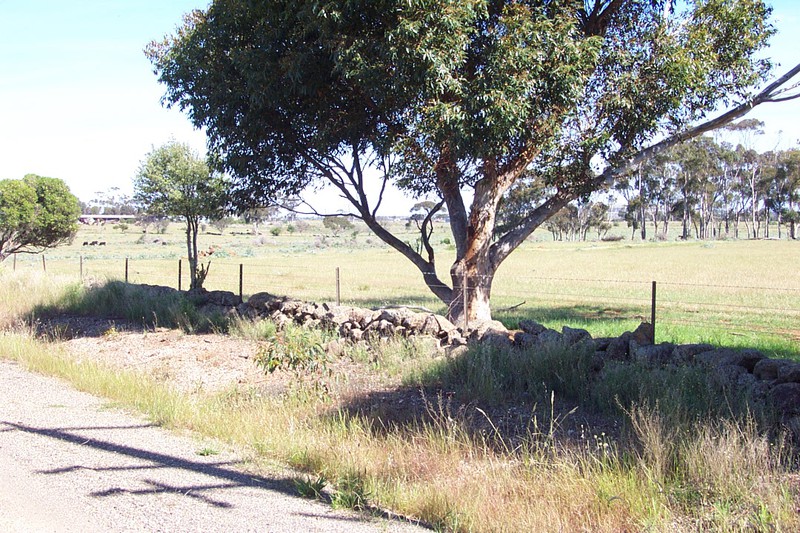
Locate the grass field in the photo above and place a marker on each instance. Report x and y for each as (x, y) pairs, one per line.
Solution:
(735, 293)
(494, 439)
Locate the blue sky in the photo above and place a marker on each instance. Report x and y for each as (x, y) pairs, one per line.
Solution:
(79, 101)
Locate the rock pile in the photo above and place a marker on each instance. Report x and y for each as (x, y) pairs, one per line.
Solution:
(775, 381)
(353, 323)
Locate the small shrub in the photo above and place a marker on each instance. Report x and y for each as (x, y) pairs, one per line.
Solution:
(612, 238)
(300, 351)
(275, 231)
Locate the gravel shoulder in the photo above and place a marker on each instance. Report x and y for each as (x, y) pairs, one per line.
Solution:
(69, 462)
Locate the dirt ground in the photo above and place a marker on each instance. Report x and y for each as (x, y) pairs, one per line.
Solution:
(191, 363)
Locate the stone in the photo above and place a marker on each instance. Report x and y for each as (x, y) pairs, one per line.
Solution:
(223, 298)
(652, 354)
(291, 307)
(395, 316)
(487, 328)
(549, 336)
(789, 373)
(573, 336)
(726, 376)
(336, 347)
(497, 339)
(531, 327)
(618, 348)
(263, 301)
(644, 334)
(785, 398)
(455, 351)
(414, 322)
(602, 343)
(746, 359)
(525, 340)
(769, 369)
(684, 353)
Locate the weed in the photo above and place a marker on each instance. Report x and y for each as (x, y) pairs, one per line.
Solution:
(311, 488)
(351, 492)
(206, 452)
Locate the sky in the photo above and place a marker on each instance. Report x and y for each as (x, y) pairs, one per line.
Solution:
(79, 100)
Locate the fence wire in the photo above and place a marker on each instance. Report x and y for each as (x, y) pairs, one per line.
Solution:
(628, 299)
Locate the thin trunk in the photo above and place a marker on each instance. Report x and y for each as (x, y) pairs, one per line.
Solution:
(191, 251)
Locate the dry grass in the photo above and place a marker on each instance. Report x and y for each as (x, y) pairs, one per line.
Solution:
(723, 475)
(738, 293)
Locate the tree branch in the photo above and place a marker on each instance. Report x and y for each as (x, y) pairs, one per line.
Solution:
(506, 244)
(768, 94)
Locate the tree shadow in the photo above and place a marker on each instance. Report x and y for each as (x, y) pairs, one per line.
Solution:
(231, 477)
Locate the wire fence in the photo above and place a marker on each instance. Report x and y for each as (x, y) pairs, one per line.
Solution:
(742, 309)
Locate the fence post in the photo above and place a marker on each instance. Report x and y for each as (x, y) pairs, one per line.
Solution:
(338, 288)
(15, 262)
(180, 265)
(44, 264)
(126, 270)
(241, 280)
(466, 304)
(653, 312)
(81, 262)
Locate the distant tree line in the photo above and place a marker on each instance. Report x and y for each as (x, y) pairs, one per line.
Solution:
(714, 189)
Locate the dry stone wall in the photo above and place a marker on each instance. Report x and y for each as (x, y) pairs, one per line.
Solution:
(773, 381)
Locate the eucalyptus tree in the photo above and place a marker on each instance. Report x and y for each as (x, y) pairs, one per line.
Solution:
(458, 101)
(173, 180)
(787, 178)
(36, 213)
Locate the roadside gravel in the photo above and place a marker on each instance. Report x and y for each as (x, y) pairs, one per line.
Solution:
(69, 462)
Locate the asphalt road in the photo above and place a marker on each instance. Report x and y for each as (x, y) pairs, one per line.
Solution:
(69, 462)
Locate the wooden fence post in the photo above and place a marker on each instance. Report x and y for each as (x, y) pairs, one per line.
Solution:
(44, 264)
(81, 262)
(466, 303)
(126, 270)
(338, 288)
(180, 267)
(653, 312)
(241, 281)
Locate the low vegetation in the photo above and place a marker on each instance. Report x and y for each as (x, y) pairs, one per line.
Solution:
(491, 440)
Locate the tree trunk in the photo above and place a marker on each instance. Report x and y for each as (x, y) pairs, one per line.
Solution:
(478, 288)
(192, 225)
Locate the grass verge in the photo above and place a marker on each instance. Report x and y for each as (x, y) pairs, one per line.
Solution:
(720, 475)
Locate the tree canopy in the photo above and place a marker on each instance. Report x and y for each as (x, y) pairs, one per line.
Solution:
(36, 213)
(174, 181)
(452, 99)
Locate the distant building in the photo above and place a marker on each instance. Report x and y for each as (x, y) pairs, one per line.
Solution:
(101, 219)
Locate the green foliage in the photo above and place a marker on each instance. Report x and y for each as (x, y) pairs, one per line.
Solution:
(494, 374)
(337, 224)
(275, 231)
(174, 181)
(445, 96)
(301, 351)
(36, 213)
(311, 488)
(149, 306)
(351, 492)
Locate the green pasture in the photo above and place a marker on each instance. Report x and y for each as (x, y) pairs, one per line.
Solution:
(731, 292)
